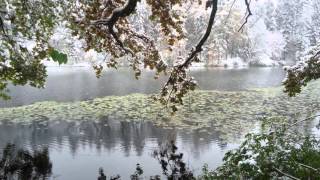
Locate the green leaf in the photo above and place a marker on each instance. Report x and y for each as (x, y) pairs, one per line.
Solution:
(59, 57)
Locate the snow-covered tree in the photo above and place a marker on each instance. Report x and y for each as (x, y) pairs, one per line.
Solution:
(269, 15)
(226, 41)
(290, 22)
(313, 25)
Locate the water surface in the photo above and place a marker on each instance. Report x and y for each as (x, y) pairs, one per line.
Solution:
(74, 84)
(78, 149)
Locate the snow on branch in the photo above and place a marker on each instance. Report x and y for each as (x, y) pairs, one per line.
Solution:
(285, 174)
(304, 72)
(117, 13)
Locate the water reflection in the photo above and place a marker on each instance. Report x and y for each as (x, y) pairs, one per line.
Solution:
(24, 165)
(108, 134)
(111, 144)
(118, 145)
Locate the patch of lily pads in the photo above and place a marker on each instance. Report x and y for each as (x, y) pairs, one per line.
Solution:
(228, 112)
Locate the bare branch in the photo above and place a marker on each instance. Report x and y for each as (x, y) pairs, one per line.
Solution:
(249, 13)
(117, 13)
(198, 48)
(120, 43)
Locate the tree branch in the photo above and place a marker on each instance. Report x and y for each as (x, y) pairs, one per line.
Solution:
(115, 36)
(2, 26)
(204, 38)
(229, 13)
(198, 47)
(309, 167)
(116, 14)
(247, 16)
(285, 174)
(306, 119)
(178, 81)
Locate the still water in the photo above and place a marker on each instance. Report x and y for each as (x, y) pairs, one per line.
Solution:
(78, 149)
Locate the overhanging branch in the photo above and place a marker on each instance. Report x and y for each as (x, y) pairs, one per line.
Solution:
(178, 81)
(116, 14)
(249, 13)
(204, 38)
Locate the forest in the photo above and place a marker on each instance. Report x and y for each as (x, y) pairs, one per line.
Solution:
(159, 89)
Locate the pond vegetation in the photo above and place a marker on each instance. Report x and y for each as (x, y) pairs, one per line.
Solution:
(228, 111)
(168, 38)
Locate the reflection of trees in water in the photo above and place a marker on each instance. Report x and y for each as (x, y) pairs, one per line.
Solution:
(170, 160)
(22, 164)
(104, 134)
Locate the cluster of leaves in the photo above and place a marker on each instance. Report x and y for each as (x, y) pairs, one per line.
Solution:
(93, 22)
(137, 175)
(105, 27)
(24, 164)
(302, 73)
(282, 152)
(172, 163)
(177, 86)
(120, 39)
(23, 23)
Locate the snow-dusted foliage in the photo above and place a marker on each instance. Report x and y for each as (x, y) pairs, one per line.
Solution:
(25, 28)
(150, 34)
(303, 72)
(63, 41)
(283, 152)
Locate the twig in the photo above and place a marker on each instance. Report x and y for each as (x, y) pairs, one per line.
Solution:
(247, 16)
(285, 174)
(309, 167)
(226, 20)
(298, 122)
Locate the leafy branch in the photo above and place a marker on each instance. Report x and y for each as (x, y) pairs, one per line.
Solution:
(178, 83)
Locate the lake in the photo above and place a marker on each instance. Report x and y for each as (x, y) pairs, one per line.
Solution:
(117, 143)
(75, 84)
